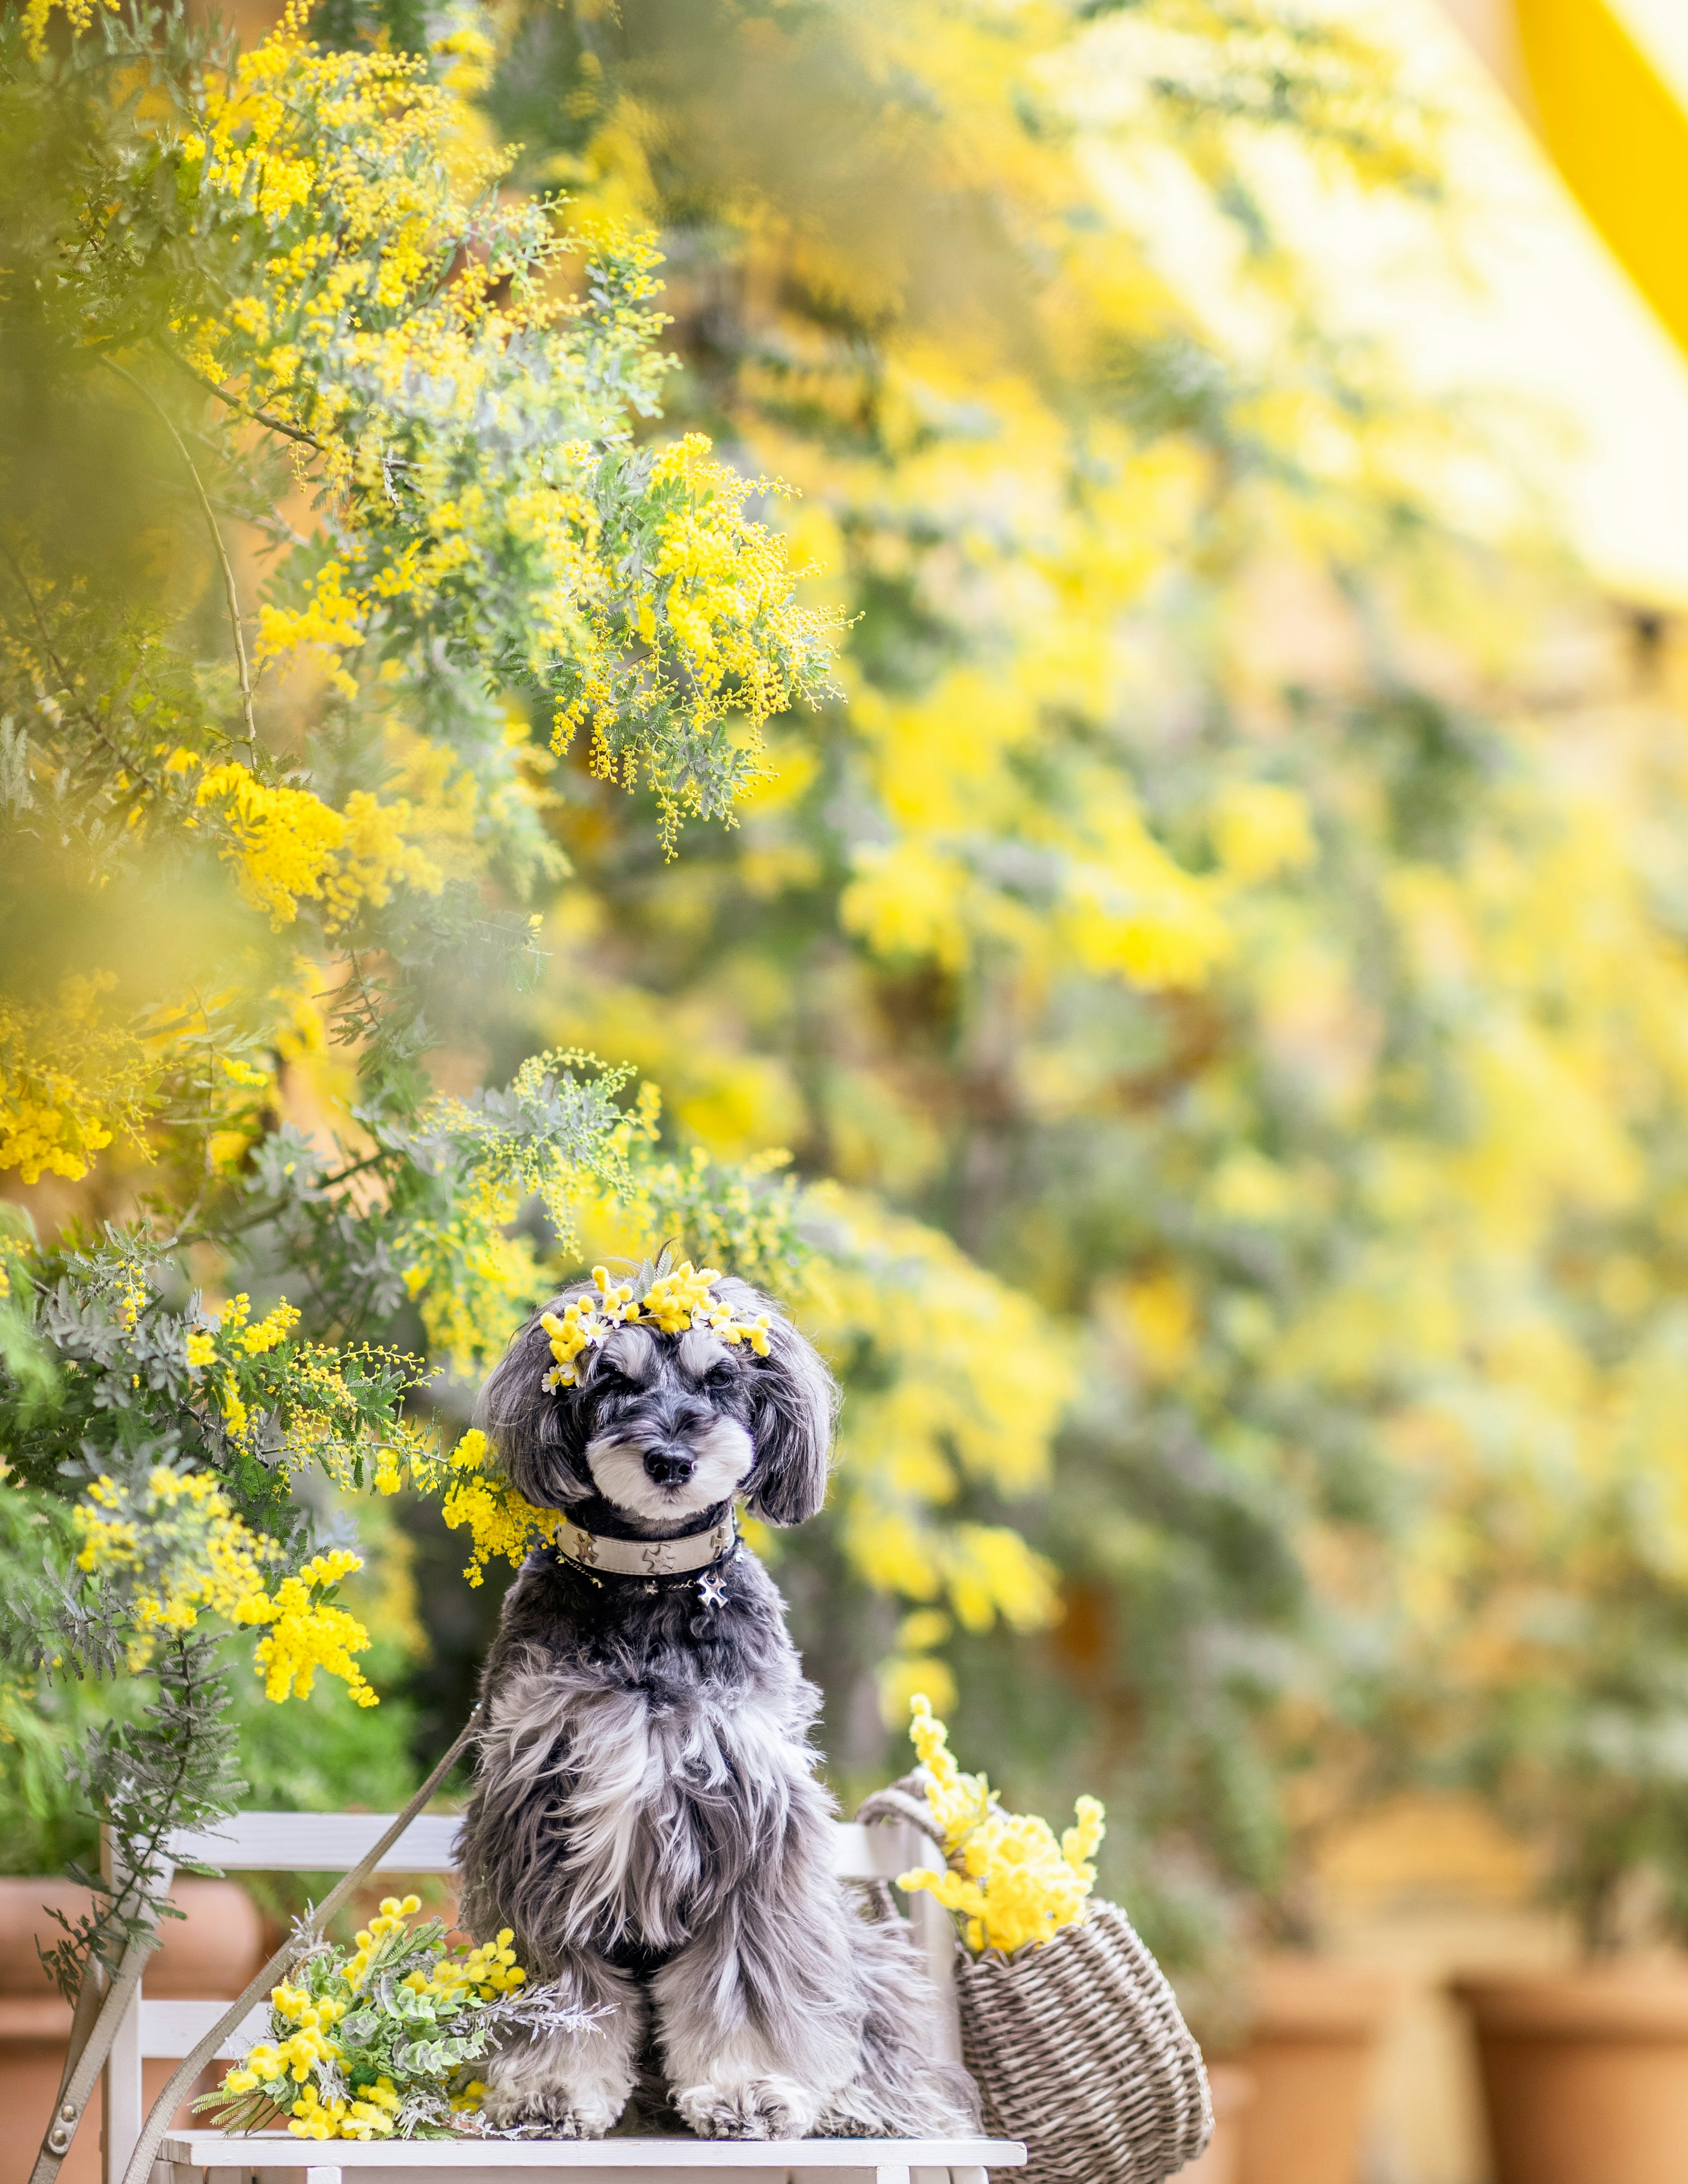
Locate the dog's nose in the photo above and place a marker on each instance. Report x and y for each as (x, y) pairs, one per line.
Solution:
(670, 1467)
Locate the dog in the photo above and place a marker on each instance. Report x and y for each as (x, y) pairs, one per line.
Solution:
(646, 1818)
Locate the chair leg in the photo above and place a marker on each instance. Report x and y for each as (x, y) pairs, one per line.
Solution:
(124, 2100)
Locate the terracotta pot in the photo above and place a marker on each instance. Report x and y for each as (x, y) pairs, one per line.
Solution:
(1314, 2043)
(1585, 2073)
(212, 1952)
(1233, 2089)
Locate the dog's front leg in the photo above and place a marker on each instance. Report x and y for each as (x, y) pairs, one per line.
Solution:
(574, 2084)
(755, 2033)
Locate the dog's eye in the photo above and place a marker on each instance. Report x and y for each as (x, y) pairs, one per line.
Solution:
(719, 1376)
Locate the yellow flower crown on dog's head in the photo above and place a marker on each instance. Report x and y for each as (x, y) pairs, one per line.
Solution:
(670, 1303)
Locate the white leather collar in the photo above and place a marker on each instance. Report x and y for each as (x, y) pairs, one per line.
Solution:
(648, 1558)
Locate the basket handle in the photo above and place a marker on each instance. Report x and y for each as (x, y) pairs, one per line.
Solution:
(903, 1801)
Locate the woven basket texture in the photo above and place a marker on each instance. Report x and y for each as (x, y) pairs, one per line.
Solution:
(1079, 2048)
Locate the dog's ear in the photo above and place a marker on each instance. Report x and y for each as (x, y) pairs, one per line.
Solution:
(797, 1404)
(534, 1428)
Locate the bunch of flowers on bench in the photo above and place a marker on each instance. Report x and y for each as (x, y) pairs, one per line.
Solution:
(381, 2042)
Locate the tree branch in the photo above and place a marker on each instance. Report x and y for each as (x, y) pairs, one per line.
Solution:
(259, 416)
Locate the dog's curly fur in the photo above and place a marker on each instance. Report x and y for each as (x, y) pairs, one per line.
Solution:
(646, 1817)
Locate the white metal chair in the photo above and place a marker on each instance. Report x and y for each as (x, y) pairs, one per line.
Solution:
(308, 1842)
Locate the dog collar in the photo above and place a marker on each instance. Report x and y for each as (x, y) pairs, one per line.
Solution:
(653, 1560)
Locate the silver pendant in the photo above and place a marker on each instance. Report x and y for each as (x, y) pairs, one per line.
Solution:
(711, 1592)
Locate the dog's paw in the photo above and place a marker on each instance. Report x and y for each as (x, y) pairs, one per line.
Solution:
(758, 2107)
(551, 2114)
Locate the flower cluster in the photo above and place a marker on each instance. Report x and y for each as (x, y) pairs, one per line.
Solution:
(331, 1406)
(585, 1322)
(179, 1550)
(287, 845)
(925, 1335)
(497, 1518)
(403, 318)
(67, 1082)
(306, 1633)
(176, 1544)
(670, 1302)
(381, 2042)
(1009, 1880)
(555, 1133)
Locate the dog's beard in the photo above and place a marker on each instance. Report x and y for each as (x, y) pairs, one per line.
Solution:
(724, 1453)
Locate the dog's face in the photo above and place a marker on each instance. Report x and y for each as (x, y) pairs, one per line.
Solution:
(661, 1429)
(670, 1424)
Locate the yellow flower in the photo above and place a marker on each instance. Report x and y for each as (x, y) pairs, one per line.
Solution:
(498, 1521)
(1008, 1879)
(305, 1634)
(287, 846)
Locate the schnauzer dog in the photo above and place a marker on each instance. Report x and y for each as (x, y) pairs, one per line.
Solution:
(646, 1816)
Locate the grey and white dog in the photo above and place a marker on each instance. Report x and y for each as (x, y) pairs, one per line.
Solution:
(646, 1816)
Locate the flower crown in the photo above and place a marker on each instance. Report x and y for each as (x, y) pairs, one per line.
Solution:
(670, 1302)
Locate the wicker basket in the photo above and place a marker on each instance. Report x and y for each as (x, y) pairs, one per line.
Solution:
(1079, 2048)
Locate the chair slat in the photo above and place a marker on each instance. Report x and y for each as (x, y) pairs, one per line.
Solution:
(209, 2150)
(316, 1842)
(875, 1853)
(175, 2029)
(325, 1842)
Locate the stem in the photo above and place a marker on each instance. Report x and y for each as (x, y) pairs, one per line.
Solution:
(259, 416)
(211, 515)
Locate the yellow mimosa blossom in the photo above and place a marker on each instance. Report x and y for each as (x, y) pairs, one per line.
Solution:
(287, 846)
(1010, 1881)
(182, 1551)
(305, 1634)
(673, 1301)
(498, 1520)
(67, 1082)
(343, 2025)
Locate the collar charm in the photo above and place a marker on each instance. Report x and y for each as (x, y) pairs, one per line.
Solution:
(671, 1303)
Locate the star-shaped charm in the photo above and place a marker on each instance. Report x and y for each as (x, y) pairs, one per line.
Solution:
(710, 1591)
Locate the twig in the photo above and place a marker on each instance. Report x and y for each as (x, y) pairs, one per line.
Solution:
(233, 597)
(259, 416)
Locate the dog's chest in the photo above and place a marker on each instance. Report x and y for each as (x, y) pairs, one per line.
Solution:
(664, 1802)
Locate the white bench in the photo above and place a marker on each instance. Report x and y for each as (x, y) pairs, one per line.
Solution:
(306, 1843)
